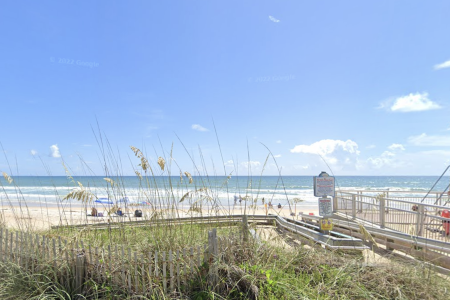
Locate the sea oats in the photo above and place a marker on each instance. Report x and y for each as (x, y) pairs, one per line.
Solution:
(367, 236)
(138, 174)
(109, 180)
(161, 163)
(188, 175)
(185, 196)
(144, 162)
(8, 178)
(68, 173)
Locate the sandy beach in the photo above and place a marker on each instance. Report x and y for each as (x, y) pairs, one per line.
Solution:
(43, 218)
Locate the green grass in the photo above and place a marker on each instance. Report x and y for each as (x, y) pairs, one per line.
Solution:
(253, 270)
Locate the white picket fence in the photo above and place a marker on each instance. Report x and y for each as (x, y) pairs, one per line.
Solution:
(74, 264)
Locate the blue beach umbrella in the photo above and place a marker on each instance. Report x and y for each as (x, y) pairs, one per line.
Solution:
(104, 201)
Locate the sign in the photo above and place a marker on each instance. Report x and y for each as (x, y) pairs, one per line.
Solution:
(325, 207)
(326, 224)
(323, 185)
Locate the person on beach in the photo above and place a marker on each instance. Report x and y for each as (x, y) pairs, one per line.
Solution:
(94, 212)
(279, 205)
(270, 204)
(240, 199)
(235, 199)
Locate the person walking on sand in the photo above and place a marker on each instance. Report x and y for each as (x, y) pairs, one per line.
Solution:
(279, 205)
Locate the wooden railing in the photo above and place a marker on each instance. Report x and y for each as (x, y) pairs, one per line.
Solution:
(400, 213)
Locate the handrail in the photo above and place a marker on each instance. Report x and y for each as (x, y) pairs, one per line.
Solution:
(399, 200)
(386, 191)
(436, 183)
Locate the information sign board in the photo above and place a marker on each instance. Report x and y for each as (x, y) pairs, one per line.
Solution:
(326, 224)
(323, 186)
(325, 207)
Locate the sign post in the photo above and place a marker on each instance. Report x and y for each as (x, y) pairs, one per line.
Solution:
(324, 186)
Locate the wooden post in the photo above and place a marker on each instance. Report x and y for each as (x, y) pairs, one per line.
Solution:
(213, 253)
(335, 204)
(419, 219)
(382, 208)
(354, 206)
(245, 227)
(79, 273)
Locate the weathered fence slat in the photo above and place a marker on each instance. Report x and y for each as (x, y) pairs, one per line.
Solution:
(136, 276)
(171, 271)
(178, 269)
(129, 271)
(142, 277)
(164, 272)
(150, 272)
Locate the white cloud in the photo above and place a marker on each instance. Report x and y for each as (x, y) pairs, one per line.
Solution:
(370, 147)
(54, 151)
(273, 19)
(430, 140)
(445, 64)
(277, 156)
(326, 147)
(199, 127)
(413, 102)
(278, 142)
(33, 152)
(251, 164)
(396, 147)
(334, 152)
(229, 163)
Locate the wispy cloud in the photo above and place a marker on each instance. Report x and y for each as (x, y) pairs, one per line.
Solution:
(278, 142)
(33, 152)
(396, 147)
(251, 164)
(445, 64)
(430, 140)
(199, 127)
(273, 19)
(277, 156)
(411, 103)
(54, 151)
(371, 147)
(229, 163)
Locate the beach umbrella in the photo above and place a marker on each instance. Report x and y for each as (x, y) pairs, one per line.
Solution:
(104, 201)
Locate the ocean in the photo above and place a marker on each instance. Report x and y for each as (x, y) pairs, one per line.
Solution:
(36, 190)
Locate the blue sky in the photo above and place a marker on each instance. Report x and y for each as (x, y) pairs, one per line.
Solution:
(364, 84)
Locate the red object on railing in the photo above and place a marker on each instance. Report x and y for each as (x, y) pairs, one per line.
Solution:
(446, 224)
